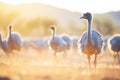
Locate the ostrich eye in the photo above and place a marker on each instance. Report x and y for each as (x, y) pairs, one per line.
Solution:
(87, 15)
(84, 14)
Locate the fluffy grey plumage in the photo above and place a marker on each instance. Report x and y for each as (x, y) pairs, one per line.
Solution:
(95, 44)
(39, 44)
(114, 46)
(91, 41)
(4, 46)
(74, 43)
(56, 43)
(68, 41)
(14, 40)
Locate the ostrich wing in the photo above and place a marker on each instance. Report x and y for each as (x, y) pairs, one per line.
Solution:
(115, 43)
(96, 39)
(17, 40)
(57, 44)
(67, 39)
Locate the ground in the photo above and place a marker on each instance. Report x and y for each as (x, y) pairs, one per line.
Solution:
(32, 65)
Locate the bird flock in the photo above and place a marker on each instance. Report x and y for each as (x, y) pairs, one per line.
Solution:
(91, 42)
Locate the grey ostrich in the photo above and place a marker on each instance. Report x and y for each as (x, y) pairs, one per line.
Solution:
(39, 45)
(13, 41)
(57, 43)
(4, 46)
(74, 43)
(68, 40)
(114, 46)
(91, 41)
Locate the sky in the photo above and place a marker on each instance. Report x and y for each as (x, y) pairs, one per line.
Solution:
(94, 6)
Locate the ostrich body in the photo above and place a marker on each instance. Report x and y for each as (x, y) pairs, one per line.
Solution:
(91, 40)
(74, 43)
(56, 43)
(26, 44)
(114, 46)
(13, 40)
(3, 45)
(39, 45)
(68, 41)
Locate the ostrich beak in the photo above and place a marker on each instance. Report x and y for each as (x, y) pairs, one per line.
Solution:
(82, 17)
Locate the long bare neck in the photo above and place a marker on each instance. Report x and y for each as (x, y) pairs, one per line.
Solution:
(10, 32)
(10, 28)
(89, 29)
(53, 34)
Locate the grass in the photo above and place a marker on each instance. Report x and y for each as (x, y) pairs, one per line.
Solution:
(32, 65)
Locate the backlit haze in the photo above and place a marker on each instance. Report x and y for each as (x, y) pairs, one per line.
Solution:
(94, 6)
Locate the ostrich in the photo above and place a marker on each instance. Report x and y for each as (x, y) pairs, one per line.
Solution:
(91, 41)
(57, 43)
(39, 45)
(114, 46)
(3, 45)
(25, 44)
(68, 41)
(74, 43)
(13, 41)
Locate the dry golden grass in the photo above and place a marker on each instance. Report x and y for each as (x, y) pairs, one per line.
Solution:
(33, 65)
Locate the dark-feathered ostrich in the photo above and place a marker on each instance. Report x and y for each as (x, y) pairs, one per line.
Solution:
(13, 41)
(68, 40)
(39, 45)
(57, 43)
(3, 45)
(114, 46)
(91, 41)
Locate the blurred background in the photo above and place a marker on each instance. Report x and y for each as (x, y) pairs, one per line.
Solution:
(33, 18)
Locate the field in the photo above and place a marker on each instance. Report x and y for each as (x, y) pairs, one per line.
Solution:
(33, 21)
(33, 65)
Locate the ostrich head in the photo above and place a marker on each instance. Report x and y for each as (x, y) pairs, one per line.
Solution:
(10, 27)
(53, 31)
(52, 28)
(87, 16)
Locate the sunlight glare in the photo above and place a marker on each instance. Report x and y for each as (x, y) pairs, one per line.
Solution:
(94, 6)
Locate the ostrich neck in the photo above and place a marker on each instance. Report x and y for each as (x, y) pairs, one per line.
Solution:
(89, 30)
(53, 34)
(10, 32)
